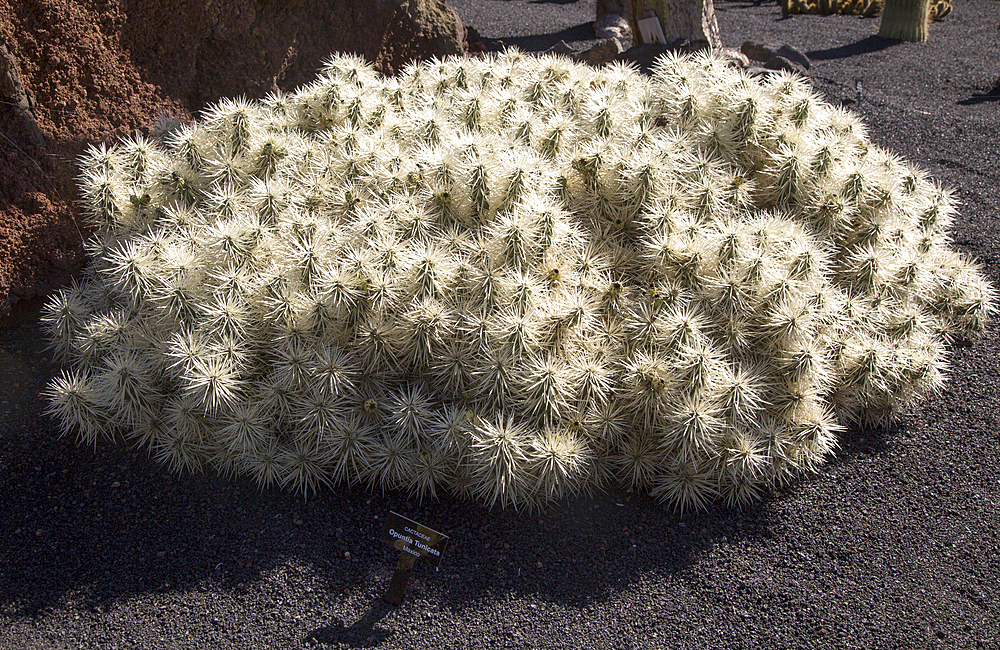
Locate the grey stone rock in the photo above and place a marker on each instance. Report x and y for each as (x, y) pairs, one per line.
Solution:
(733, 57)
(757, 51)
(612, 26)
(794, 54)
(763, 53)
(604, 52)
(781, 63)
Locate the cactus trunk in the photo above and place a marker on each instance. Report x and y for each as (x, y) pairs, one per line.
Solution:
(905, 19)
(693, 20)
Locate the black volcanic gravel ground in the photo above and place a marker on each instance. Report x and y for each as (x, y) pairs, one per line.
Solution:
(894, 545)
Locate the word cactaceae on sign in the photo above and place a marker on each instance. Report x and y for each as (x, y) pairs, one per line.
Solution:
(512, 278)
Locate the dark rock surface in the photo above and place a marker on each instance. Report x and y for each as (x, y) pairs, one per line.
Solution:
(781, 63)
(764, 53)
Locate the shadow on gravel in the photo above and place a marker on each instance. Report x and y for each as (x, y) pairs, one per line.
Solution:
(867, 45)
(979, 98)
(861, 442)
(542, 42)
(365, 633)
(85, 527)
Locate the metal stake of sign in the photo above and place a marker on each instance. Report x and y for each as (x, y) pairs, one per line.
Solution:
(414, 542)
(397, 587)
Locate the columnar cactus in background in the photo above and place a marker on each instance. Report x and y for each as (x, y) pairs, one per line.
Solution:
(513, 278)
(905, 19)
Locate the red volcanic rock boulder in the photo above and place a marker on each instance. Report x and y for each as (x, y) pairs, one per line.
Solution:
(94, 70)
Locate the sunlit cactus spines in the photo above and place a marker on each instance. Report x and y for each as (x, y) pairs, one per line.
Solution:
(512, 279)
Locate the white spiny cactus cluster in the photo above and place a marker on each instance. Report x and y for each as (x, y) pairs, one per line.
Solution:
(513, 278)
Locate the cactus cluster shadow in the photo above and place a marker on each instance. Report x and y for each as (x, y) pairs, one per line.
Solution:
(96, 528)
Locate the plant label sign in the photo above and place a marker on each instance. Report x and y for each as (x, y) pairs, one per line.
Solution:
(415, 542)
